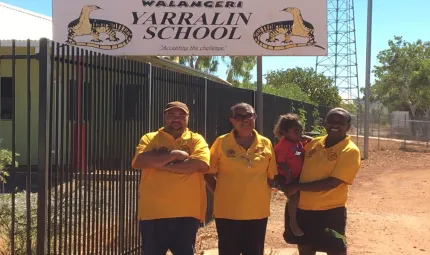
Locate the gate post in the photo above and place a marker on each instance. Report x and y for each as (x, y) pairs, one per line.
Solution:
(148, 73)
(206, 108)
(124, 64)
(43, 153)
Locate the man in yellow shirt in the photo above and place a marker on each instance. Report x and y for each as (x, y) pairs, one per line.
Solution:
(172, 194)
(331, 164)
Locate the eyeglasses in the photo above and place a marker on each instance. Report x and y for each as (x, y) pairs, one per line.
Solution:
(242, 117)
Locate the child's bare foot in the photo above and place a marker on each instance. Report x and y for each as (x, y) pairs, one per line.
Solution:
(296, 229)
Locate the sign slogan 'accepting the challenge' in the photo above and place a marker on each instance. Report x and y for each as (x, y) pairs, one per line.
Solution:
(204, 28)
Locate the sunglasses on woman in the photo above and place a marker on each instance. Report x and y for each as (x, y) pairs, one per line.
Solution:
(242, 117)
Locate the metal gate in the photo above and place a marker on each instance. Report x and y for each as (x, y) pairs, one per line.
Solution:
(75, 118)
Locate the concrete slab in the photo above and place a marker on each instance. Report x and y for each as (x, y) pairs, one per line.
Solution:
(282, 251)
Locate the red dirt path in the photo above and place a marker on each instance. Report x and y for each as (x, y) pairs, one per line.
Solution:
(388, 208)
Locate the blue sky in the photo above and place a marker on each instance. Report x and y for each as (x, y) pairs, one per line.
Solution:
(410, 19)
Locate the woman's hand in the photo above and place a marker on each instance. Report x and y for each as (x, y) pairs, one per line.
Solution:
(270, 182)
(210, 180)
(291, 189)
(306, 138)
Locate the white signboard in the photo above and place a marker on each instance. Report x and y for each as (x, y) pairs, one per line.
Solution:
(192, 27)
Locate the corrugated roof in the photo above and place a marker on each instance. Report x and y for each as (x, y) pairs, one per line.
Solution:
(20, 24)
(24, 11)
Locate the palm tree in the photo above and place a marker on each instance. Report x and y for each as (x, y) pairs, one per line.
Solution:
(239, 67)
(207, 64)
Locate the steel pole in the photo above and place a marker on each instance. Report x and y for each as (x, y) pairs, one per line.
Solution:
(367, 85)
(259, 97)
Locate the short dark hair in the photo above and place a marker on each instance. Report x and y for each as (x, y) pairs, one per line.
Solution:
(240, 105)
(286, 122)
(340, 110)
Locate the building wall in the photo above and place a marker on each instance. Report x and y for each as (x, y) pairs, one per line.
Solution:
(68, 102)
(20, 24)
(21, 103)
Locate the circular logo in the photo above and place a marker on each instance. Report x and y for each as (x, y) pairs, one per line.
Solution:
(185, 148)
(312, 152)
(259, 152)
(231, 153)
(332, 156)
(163, 149)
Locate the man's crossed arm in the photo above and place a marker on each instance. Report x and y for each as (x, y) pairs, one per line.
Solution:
(176, 161)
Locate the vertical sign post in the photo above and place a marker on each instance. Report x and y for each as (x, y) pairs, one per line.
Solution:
(367, 85)
(259, 98)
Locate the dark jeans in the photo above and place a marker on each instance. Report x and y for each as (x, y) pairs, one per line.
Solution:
(175, 234)
(244, 237)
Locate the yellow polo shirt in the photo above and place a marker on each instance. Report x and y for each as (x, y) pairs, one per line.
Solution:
(165, 194)
(341, 161)
(242, 192)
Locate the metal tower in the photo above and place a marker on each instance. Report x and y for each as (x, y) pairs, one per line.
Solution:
(341, 62)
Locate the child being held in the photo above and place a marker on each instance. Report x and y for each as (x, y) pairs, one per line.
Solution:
(290, 157)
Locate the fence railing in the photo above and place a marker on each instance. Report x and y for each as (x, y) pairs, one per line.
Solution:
(389, 131)
(75, 118)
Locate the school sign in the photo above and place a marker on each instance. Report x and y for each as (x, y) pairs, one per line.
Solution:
(191, 27)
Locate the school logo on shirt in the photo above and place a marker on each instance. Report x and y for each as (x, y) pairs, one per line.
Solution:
(332, 156)
(163, 149)
(185, 148)
(231, 153)
(259, 152)
(312, 152)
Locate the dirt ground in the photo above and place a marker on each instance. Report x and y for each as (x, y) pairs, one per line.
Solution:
(388, 207)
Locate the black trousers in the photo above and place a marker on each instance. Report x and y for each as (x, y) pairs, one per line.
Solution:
(237, 237)
(175, 234)
(324, 230)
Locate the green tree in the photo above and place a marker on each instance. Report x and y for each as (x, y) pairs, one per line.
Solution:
(423, 79)
(6, 160)
(207, 64)
(291, 91)
(401, 75)
(319, 88)
(239, 67)
(350, 107)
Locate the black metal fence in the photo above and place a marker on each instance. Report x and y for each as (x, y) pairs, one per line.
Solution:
(75, 118)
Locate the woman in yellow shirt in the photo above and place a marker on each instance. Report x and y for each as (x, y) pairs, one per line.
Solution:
(331, 164)
(242, 168)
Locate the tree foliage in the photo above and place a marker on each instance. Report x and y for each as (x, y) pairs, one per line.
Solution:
(203, 63)
(403, 77)
(6, 160)
(423, 78)
(319, 89)
(350, 107)
(298, 84)
(239, 68)
(291, 91)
